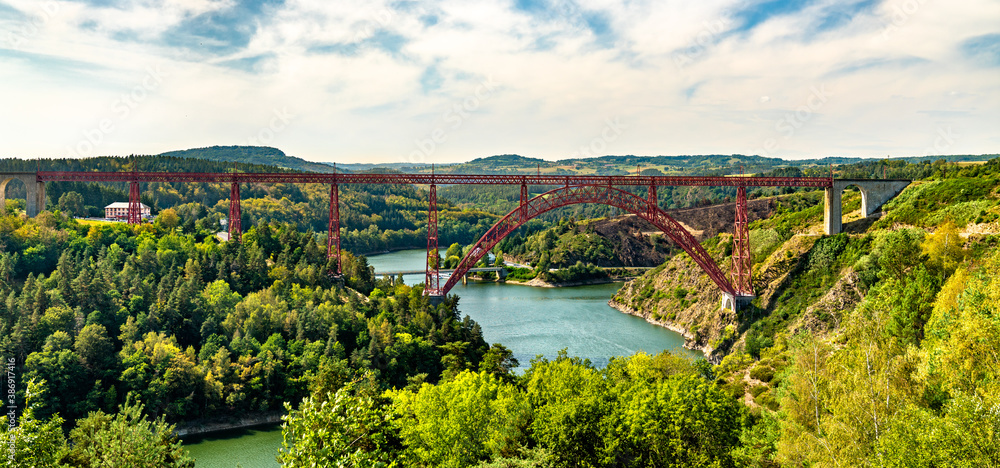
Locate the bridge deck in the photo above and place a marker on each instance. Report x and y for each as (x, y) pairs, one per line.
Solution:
(442, 179)
(443, 272)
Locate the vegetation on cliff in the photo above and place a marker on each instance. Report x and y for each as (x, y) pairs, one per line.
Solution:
(868, 348)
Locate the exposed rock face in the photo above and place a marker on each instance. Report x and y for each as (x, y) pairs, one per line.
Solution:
(205, 426)
(709, 221)
(637, 243)
(634, 241)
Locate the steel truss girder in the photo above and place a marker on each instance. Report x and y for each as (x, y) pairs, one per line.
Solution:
(575, 194)
(432, 179)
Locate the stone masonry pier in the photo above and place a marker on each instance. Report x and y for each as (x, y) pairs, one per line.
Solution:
(36, 191)
(874, 194)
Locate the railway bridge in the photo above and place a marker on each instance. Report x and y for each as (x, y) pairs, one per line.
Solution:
(572, 189)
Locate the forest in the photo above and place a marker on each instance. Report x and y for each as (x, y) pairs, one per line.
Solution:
(373, 218)
(191, 327)
(119, 334)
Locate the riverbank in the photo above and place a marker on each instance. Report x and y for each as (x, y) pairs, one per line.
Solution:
(689, 338)
(540, 283)
(210, 425)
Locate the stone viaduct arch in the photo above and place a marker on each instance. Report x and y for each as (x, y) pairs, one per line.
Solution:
(874, 194)
(606, 195)
(35, 201)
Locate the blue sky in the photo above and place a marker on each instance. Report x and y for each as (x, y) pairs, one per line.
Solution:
(448, 81)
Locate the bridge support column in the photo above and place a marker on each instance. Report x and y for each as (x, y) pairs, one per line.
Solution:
(333, 231)
(524, 201)
(833, 212)
(134, 214)
(234, 212)
(735, 303)
(34, 201)
(741, 246)
(653, 202)
(432, 278)
(35, 198)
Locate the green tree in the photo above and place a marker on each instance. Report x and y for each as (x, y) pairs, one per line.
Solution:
(71, 203)
(94, 347)
(500, 362)
(675, 422)
(463, 421)
(944, 248)
(64, 372)
(963, 334)
(453, 256)
(37, 443)
(898, 251)
(168, 218)
(350, 428)
(126, 439)
(967, 434)
(570, 400)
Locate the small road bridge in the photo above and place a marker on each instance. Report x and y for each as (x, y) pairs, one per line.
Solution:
(392, 274)
(572, 189)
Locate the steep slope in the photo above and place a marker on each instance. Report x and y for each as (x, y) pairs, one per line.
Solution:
(858, 343)
(787, 264)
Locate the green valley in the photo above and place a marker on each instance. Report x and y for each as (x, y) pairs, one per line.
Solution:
(873, 347)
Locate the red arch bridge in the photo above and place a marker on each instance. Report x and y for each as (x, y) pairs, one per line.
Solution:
(572, 190)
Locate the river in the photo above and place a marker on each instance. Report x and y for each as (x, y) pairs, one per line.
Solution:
(527, 320)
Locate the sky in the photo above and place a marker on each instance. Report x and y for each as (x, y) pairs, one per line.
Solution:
(449, 81)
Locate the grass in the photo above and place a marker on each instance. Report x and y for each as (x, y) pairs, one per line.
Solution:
(92, 222)
(960, 199)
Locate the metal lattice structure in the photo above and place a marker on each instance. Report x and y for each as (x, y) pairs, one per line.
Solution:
(432, 283)
(563, 196)
(134, 205)
(429, 179)
(741, 246)
(574, 189)
(333, 230)
(235, 216)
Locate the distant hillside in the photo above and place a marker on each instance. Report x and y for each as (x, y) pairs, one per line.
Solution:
(708, 165)
(251, 154)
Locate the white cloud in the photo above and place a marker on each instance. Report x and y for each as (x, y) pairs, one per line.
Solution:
(351, 73)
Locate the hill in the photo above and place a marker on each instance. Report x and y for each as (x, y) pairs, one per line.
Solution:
(858, 342)
(263, 155)
(679, 165)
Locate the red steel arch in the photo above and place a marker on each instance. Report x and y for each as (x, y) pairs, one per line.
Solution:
(573, 194)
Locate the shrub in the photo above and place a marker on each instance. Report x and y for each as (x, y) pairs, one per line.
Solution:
(763, 242)
(762, 373)
(767, 400)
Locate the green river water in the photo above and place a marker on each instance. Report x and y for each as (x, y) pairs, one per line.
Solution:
(527, 320)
